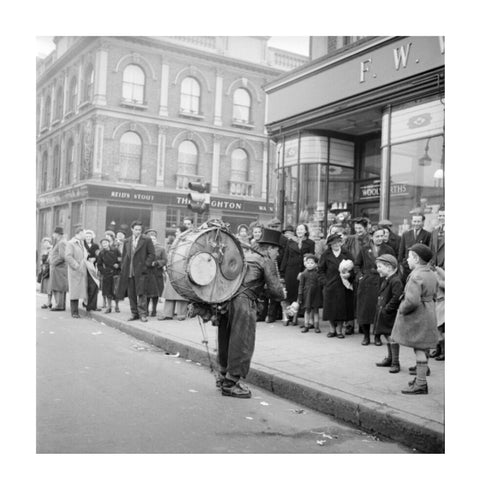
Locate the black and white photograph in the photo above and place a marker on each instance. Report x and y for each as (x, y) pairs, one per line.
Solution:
(240, 250)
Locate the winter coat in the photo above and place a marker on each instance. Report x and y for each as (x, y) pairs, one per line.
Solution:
(77, 269)
(337, 299)
(154, 282)
(355, 243)
(440, 304)
(44, 275)
(391, 290)
(416, 322)
(368, 281)
(141, 259)
(310, 290)
(437, 245)
(292, 264)
(58, 267)
(407, 240)
(92, 250)
(105, 261)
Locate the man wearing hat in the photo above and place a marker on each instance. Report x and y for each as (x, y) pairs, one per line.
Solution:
(236, 329)
(58, 270)
(413, 236)
(415, 324)
(391, 289)
(392, 239)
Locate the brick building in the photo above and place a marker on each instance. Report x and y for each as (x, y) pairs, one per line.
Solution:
(124, 123)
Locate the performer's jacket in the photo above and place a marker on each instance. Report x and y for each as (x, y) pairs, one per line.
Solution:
(262, 273)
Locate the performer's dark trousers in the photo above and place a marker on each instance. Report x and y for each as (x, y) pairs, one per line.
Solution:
(138, 304)
(92, 293)
(236, 337)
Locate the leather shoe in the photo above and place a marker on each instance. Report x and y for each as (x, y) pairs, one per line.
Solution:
(340, 335)
(348, 329)
(386, 362)
(378, 341)
(57, 309)
(133, 318)
(366, 341)
(75, 316)
(394, 369)
(414, 388)
(331, 335)
(268, 319)
(143, 319)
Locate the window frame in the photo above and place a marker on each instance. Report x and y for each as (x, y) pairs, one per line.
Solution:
(133, 85)
(242, 106)
(124, 155)
(190, 96)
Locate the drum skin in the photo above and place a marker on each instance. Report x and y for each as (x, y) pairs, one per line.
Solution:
(206, 265)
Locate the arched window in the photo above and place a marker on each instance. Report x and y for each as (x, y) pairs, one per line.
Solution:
(59, 104)
(239, 165)
(187, 158)
(190, 96)
(242, 103)
(130, 157)
(47, 112)
(72, 95)
(69, 162)
(56, 167)
(44, 171)
(133, 88)
(88, 84)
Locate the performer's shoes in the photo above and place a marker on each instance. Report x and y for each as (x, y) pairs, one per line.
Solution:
(46, 306)
(239, 390)
(414, 388)
(219, 380)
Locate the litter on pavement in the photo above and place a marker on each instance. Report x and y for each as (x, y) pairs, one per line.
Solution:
(174, 355)
(263, 403)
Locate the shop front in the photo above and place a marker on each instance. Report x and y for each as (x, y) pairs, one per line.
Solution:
(99, 207)
(361, 134)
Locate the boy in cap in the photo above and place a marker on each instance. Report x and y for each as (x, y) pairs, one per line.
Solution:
(416, 325)
(391, 289)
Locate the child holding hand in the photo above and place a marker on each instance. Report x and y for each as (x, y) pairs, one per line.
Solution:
(309, 293)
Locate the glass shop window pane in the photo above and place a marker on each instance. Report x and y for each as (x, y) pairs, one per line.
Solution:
(340, 194)
(371, 159)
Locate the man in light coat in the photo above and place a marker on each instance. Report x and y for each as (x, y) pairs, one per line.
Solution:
(58, 270)
(75, 255)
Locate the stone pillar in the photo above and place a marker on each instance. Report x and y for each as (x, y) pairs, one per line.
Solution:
(164, 89)
(216, 163)
(79, 88)
(385, 171)
(100, 77)
(161, 152)
(265, 170)
(52, 107)
(98, 151)
(42, 111)
(218, 99)
(65, 93)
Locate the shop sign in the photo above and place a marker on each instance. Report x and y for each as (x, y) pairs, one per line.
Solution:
(372, 190)
(61, 197)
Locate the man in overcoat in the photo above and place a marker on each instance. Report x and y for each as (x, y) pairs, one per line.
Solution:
(138, 254)
(437, 242)
(76, 257)
(416, 235)
(58, 270)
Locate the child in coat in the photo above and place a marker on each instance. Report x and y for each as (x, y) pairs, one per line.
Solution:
(390, 291)
(108, 265)
(309, 293)
(416, 323)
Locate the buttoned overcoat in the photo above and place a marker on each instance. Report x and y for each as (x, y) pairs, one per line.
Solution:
(58, 267)
(391, 289)
(77, 269)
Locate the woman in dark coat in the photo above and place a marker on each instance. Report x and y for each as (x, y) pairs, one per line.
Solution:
(108, 265)
(93, 250)
(44, 274)
(337, 293)
(154, 282)
(368, 282)
(292, 263)
(391, 289)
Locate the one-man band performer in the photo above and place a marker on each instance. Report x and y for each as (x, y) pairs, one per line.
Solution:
(236, 328)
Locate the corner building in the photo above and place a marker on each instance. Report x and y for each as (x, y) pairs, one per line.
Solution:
(124, 123)
(360, 131)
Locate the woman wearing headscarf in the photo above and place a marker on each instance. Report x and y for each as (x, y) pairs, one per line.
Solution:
(44, 273)
(292, 263)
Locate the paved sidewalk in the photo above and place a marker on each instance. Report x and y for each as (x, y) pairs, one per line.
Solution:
(331, 375)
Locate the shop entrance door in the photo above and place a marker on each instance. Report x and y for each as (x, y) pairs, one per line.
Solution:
(126, 215)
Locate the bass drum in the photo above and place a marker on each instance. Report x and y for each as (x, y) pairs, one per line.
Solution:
(206, 265)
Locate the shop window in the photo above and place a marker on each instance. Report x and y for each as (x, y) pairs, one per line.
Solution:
(88, 84)
(59, 104)
(130, 157)
(72, 95)
(56, 167)
(370, 159)
(47, 112)
(241, 106)
(340, 194)
(133, 88)
(69, 162)
(417, 181)
(190, 96)
(44, 170)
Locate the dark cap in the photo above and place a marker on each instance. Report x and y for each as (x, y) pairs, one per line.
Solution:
(151, 231)
(270, 237)
(333, 238)
(58, 230)
(124, 228)
(423, 251)
(363, 221)
(390, 259)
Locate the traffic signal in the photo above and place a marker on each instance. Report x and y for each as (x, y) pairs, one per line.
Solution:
(199, 197)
